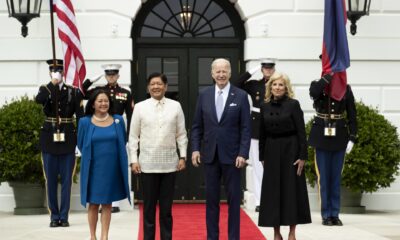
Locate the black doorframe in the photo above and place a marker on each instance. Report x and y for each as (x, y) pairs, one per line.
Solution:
(202, 45)
(190, 184)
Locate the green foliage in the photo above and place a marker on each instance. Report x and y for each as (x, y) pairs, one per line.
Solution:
(374, 161)
(20, 158)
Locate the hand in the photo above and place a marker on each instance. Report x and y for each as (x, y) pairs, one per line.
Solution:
(300, 166)
(255, 69)
(328, 77)
(240, 162)
(196, 158)
(181, 164)
(349, 147)
(135, 167)
(95, 78)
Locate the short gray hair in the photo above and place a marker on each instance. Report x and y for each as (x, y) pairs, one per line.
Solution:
(220, 60)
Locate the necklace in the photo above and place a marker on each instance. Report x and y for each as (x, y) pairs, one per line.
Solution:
(100, 119)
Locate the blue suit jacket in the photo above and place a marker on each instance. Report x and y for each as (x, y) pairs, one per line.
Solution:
(85, 132)
(232, 134)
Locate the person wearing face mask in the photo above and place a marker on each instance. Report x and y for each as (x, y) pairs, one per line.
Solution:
(256, 90)
(58, 139)
(333, 134)
(120, 97)
(283, 151)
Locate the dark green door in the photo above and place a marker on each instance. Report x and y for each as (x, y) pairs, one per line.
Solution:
(188, 71)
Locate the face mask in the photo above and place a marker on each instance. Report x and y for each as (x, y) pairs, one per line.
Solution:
(56, 75)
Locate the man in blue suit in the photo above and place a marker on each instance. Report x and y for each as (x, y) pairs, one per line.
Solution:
(222, 124)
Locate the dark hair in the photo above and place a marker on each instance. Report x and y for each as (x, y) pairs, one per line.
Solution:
(89, 110)
(155, 75)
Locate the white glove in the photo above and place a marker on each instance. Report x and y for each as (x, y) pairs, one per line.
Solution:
(95, 78)
(255, 69)
(77, 152)
(350, 145)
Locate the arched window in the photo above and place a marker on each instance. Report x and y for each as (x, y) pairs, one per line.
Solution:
(187, 19)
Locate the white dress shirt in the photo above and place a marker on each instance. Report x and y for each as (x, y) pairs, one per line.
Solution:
(157, 128)
(225, 92)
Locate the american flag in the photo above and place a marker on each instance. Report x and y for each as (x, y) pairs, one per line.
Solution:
(74, 64)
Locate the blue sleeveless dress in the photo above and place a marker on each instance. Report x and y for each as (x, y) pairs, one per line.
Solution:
(106, 183)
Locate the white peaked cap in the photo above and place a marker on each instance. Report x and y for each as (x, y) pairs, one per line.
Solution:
(111, 66)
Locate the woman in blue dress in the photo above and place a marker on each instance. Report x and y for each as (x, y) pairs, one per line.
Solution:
(104, 162)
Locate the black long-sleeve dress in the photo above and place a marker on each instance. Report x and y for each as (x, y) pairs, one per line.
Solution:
(284, 199)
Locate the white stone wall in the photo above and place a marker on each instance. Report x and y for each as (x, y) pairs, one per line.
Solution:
(290, 30)
(104, 28)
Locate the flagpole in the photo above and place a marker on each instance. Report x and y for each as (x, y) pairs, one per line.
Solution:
(52, 32)
(53, 43)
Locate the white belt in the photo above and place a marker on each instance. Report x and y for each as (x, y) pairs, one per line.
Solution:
(255, 109)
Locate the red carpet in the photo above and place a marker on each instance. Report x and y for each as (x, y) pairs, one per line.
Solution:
(190, 223)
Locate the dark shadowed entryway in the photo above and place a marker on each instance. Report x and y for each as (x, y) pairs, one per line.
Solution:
(181, 38)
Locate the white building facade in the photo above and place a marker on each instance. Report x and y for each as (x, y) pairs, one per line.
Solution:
(289, 30)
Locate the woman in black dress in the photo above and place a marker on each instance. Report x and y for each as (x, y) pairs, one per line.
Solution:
(283, 150)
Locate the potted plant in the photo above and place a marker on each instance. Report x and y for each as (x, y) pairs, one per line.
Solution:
(20, 158)
(372, 164)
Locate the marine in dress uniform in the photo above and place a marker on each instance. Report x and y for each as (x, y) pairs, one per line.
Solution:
(256, 90)
(121, 98)
(332, 135)
(58, 140)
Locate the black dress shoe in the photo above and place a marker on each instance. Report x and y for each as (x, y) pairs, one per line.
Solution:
(53, 224)
(257, 208)
(115, 209)
(327, 222)
(64, 224)
(336, 221)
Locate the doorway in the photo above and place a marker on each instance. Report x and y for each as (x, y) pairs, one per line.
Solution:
(181, 38)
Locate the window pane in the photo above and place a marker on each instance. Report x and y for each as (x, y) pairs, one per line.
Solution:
(170, 68)
(212, 11)
(201, 5)
(171, 31)
(175, 23)
(174, 5)
(149, 32)
(153, 65)
(227, 32)
(221, 21)
(162, 10)
(167, 34)
(154, 21)
(204, 71)
(187, 18)
(173, 92)
(204, 30)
